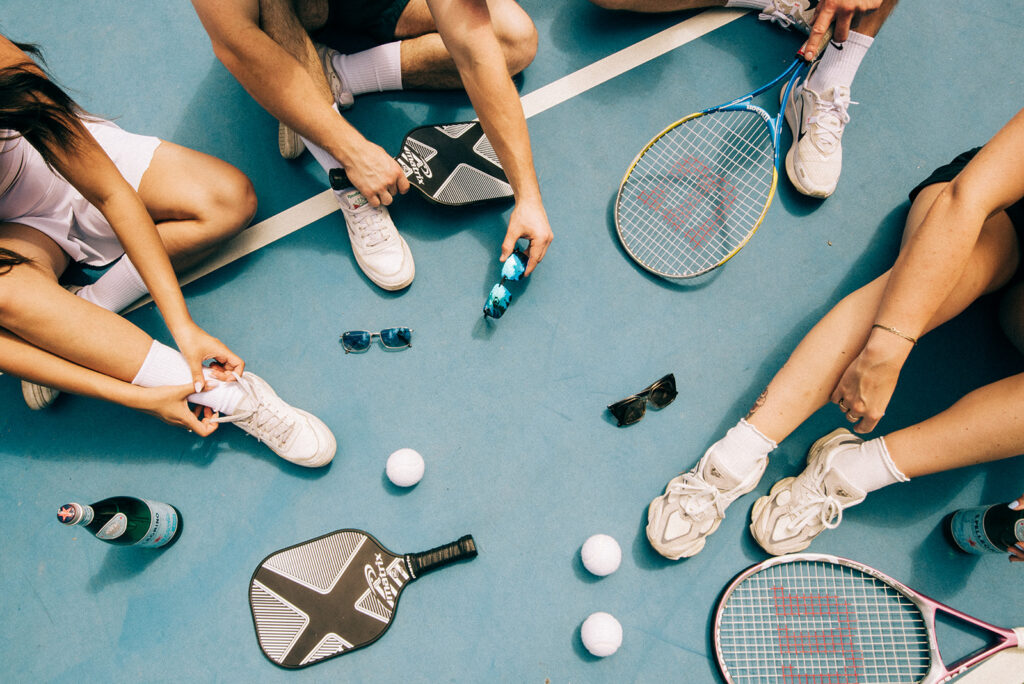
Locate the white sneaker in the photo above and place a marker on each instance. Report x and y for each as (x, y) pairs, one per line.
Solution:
(693, 506)
(289, 143)
(36, 396)
(799, 508)
(291, 433)
(787, 14)
(817, 120)
(380, 251)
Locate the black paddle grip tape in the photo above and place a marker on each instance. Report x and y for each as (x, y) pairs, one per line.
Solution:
(339, 179)
(463, 549)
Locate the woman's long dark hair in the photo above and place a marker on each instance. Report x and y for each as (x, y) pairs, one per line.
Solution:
(36, 108)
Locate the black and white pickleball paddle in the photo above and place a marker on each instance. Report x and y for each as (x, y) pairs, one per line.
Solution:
(451, 164)
(331, 595)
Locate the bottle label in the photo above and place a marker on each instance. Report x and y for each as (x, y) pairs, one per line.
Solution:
(163, 524)
(968, 530)
(114, 528)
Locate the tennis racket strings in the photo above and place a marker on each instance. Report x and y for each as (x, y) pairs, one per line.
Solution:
(820, 622)
(698, 192)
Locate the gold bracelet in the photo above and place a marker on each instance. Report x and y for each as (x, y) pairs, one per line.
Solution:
(898, 333)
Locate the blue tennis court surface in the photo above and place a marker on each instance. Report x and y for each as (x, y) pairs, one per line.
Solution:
(509, 415)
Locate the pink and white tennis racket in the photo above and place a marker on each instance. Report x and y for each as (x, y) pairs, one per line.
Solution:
(812, 618)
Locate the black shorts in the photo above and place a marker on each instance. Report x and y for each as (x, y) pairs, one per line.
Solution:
(948, 172)
(374, 18)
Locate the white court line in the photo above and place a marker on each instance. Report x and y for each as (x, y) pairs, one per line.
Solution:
(544, 98)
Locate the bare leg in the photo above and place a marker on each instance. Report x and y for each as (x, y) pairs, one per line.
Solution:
(805, 382)
(1011, 315)
(40, 313)
(196, 200)
(426, 63)
(656, 5)
(986, 425)
(279, 20)
(869, 23)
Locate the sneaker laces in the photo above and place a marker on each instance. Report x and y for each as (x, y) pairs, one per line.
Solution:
(829, 119)
(700, 495)
(266, 421)
(817, 503)
(370, 226)
(781, 13)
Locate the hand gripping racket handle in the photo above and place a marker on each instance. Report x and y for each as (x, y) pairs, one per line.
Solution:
(463, 549)
(339, 179)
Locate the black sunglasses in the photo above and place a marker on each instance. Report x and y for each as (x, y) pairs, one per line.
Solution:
(632, 408)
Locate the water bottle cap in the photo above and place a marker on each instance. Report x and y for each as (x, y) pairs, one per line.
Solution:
(70, 514)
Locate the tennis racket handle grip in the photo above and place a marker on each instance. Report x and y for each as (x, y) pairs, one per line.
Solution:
(339, 179)
(462, 549)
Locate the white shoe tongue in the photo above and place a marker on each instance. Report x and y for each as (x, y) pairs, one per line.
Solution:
(719, 475)
(354, 199)
(837, 484)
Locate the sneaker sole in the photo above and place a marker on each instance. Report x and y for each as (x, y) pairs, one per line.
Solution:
(692, 549)
(38, 397)
(289, 144)
(755, 514)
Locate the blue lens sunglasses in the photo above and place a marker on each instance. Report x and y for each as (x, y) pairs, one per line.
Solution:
(391, 338)
(499, 298)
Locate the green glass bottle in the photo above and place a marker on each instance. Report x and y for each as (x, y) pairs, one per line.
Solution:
(126, 521)
(985, 529)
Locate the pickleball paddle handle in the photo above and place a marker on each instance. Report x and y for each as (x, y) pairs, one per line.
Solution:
(339, 179)
(462, 549)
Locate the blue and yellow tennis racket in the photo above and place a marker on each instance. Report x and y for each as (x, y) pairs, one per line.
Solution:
(699, 190)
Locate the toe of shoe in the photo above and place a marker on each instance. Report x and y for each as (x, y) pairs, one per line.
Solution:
(392, 269)
(318, 445)
(814, 178)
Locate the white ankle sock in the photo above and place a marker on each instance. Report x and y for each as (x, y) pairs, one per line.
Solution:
(117, 288)
(839, 63)
(869, 466)
(166, 366)
(748, 4)
(323, 157)
(742, 449)
(371, 71)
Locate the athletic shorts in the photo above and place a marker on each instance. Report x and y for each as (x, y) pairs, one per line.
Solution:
(948, 172)
(374, 18)
(34, 195)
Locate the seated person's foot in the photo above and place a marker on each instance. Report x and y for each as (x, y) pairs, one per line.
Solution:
(790, 13)
(291, 433)
(693, 505)
(380, 251)
(289, 143)
(799, 508)
(817, 121)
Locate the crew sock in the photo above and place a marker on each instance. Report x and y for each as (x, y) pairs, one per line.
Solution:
(742, 449)
(839, 63)
(166, 366)
(116, 289)
(371, 71)
(869, 466)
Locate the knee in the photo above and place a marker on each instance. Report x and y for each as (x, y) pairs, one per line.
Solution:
(231, 204)
(518, 38)
(16, 283)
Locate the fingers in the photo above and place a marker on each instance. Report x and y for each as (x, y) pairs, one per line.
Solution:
(1016, 553)
(1018, 503)
(538, 248)
(816, 41)
(508, 246)
(201, 420)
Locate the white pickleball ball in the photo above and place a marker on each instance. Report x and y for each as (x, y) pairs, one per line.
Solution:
(601, 634)
(405, 467)
(601, 555)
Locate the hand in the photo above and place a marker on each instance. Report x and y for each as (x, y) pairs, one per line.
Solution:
(842, 12)
(197, 346)
(528, 221)
(864, 391)
(376, 174)
(169, 403)
(1017, 550)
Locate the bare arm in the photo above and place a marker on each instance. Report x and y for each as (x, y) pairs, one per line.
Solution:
(465, 27)
(283, 86)
(929, 265)
(86, 166)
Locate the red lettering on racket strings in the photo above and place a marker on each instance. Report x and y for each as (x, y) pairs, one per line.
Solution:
(702, 184)
(836, 642)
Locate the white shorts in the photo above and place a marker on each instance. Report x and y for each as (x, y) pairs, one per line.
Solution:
(40, 198)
